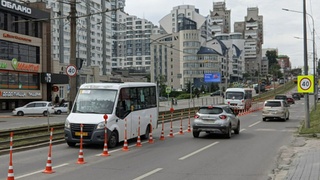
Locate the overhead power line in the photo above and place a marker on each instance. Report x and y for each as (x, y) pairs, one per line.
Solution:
(68, 17)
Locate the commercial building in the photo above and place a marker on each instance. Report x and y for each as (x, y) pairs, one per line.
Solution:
(25, 54)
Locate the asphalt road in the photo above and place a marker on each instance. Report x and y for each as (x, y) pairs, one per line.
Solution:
(251, 155)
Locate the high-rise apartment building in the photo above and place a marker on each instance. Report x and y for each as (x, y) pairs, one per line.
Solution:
(220, 18)
(252, 29)
(93, 33)
(131, 42)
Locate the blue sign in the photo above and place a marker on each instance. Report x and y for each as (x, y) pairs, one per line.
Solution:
(214, 77)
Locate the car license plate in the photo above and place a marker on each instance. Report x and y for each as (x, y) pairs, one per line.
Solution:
(83, 133)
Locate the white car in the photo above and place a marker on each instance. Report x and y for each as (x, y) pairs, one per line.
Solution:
(61, 109)
(36, 107)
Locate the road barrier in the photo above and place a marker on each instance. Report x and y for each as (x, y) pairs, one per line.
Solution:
(125, 142)
(10, 170)
(81, 157)
(48, 169)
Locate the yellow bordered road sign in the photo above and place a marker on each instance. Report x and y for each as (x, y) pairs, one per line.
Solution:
(305, 84)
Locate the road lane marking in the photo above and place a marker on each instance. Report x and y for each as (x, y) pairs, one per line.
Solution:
(144, 142)
(255, 123)
(36, 172)
(148, 174)
(197, 151)
(242, 130)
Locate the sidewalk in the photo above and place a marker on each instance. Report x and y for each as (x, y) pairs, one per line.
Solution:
(300, 160)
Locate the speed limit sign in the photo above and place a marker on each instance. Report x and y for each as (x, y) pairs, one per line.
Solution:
(71, 70)
(305, 84)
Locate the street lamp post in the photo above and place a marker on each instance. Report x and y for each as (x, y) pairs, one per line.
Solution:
(307, 117)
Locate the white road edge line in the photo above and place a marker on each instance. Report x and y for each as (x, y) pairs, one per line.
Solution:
(148, 174)
(36, 172)
(242, 130)
(255, 123)
(197, 151)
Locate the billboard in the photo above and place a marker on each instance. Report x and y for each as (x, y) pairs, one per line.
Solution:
(212, 77)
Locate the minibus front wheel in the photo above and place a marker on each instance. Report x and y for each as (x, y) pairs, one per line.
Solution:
(113, 140)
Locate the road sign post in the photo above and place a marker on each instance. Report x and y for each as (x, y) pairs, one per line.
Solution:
(306, 85)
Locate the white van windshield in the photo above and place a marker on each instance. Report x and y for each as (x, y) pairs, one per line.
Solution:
(235, 95)
(98, 101)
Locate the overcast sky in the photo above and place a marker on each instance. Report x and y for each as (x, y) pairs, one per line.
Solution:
(280, 27)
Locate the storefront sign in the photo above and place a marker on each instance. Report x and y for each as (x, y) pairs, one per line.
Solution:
(12, 36)
(19, 94)
(24, 66)
(15, 6)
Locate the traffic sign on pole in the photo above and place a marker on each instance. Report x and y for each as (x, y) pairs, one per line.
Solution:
(71, 70)
(305, 84)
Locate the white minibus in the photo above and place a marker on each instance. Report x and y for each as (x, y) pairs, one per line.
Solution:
(239, 98)
(124, 103)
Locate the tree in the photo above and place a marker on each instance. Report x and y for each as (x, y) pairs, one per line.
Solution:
(272, 58)
(274, 70)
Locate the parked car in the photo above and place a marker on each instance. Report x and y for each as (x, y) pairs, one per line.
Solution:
(290, 100)
(64, 108)
(216, 119)
(36, 107)
(275, 109)
(216, 93)
(162, 98)
(281, 97)
(261, 89)
(296, 96)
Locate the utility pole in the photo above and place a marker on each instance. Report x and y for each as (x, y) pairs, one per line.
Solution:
(104, 37)
(73, 61)
(305, 47)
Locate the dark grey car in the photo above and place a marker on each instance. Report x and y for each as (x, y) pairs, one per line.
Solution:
(219, 119)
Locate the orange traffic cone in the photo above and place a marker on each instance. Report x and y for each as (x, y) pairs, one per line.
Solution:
(189, 123)
(105, 145)
(139, 142)
(10, 173)
(138, 138)
(162, 130)
(171, 131)
(105, 150)
(80, 156)
(10, 170)
(48, 168)
(181, 130)
(125, 145)
(150, 134)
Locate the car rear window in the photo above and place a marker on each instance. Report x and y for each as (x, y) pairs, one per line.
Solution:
(273, 104)
(281, 97)
(210, 110)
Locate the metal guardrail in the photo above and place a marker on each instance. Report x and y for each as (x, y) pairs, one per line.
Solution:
(39, 135)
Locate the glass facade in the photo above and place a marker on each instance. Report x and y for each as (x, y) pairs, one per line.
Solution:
(22, 52)
(10, 22)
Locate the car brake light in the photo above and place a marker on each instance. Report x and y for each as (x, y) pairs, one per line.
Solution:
(210, 107)
(229, 103)
(196, 116)
(223, 117)
(242, 100)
